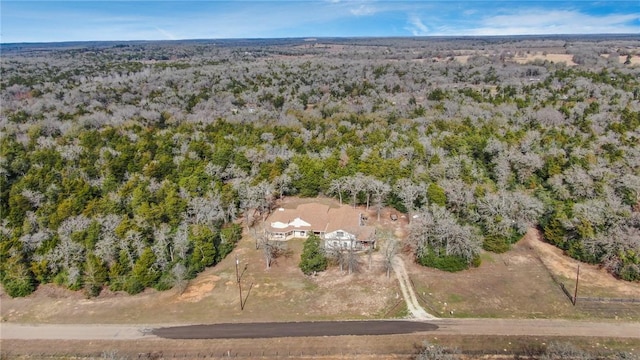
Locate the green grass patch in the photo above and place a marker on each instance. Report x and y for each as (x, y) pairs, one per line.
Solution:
(487, 257)
(401, 313)
(455, 298)
(310, 285)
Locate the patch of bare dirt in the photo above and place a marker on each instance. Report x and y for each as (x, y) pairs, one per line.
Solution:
(199, 289)
(291, 202)
(462, 59)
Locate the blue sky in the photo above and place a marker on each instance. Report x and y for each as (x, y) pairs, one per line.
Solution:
(50, 21)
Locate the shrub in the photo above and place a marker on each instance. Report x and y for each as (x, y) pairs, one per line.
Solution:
(630, 272)
(436, 195)
(18, 286)
(446, 262)
(312, 258)
(165, 282)
(495, 243)
(133, 285)
(15, 276)
(430, 351)
(92, 290)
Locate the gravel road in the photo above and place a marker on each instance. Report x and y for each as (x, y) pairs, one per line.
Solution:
(531, 327)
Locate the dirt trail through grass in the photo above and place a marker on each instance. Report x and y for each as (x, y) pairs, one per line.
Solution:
(407, 291)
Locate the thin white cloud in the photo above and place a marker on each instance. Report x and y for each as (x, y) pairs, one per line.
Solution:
(363, 10)
(260, 21)
(416, 26)
(536, 21)
(264, 19)
(166, 34)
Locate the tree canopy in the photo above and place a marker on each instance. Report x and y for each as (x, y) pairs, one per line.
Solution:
(130, 166)
(313, 258)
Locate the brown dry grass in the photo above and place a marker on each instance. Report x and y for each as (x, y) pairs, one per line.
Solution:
(519, 284)
(327, 348)
(515, 284)
(594, 281)
(635, 59)
(553, 57)
(281, 293)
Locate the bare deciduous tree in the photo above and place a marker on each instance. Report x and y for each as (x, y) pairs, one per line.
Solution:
(336, 187)
(409, 193)
(180, 244)
(107, 245)
(206, 210)
(179, 277)
(271, 250)
(380, 191)
(437, 229)
(352, 259)
(256, 198)
(580, 182)
(160, 247)
(389, 252)
(283, 184)
(354, 185)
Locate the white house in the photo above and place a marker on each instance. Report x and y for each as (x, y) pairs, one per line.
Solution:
(340, 227)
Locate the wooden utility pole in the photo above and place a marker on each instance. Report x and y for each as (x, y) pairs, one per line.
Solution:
(575, 293)
(238, 281)
(237, 274)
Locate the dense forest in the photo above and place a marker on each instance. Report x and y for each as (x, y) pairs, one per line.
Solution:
(131, 165)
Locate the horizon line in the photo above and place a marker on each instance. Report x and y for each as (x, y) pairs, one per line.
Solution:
(316, 38)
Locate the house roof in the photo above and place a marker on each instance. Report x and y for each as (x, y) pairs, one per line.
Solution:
(319, 218)
(347, 219)
(304, 217)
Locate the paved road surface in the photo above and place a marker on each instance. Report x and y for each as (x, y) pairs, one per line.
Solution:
(531, 327)
(293, 329)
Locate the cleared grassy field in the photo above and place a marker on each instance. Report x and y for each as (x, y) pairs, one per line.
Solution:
(516, 284)
(522, 283)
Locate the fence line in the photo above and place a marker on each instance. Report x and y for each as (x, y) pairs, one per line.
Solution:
(424, 301)
(583, 298)
(566, 292)
(599, 299)
(555, 279)
(393, 307)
